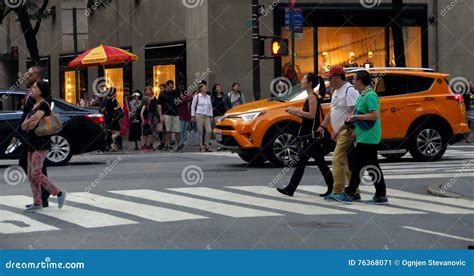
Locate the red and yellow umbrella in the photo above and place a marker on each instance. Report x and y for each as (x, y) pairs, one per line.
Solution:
(103, 55)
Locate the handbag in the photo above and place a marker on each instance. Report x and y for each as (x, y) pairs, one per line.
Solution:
(317, 142)
(48, 125)
(365, 125)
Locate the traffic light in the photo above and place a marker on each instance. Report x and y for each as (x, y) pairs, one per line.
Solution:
(280, 47)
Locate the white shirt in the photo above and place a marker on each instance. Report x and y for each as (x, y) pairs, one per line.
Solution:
(202, 105)
(342, 104)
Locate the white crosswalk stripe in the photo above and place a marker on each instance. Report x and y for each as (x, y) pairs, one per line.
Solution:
(229, 202)
(81, 217)
(204, 205)
(154, 213)
(9, 221)
(318, 189)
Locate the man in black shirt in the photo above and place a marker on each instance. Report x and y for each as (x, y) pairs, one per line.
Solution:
(34, 74)
(169, 114)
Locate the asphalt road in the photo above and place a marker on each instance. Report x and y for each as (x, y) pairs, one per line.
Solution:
(214, 201)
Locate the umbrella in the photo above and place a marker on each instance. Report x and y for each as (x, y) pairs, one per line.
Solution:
(103, 55)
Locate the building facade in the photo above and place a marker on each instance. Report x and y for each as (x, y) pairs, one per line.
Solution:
(190, 40)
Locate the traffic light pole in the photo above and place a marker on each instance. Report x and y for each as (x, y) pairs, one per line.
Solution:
(293, 69)
(256, 49)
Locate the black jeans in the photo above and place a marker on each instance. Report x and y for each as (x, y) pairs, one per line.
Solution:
(365, 158)
(23, 163)
(302, 161)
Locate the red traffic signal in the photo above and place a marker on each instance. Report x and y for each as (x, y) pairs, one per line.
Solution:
(280, 47)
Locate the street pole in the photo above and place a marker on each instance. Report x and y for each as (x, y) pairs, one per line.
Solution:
(76, 73)
(256, 49)
(293, 69)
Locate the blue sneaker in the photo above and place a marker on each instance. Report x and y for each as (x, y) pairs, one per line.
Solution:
(378, 200)
(342, 197)
(61, 200)
(329, 197)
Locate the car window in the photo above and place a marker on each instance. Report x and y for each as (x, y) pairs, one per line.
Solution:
(64, 106)
(393, 85)
(11, 102)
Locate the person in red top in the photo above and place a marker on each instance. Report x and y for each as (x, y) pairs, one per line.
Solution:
(184, 113)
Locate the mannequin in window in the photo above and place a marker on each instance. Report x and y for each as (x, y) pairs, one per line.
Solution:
(325, 66)
(288, 73)
(392, 61)
(351, 62)
(369, 63)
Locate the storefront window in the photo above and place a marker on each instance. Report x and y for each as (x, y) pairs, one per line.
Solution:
(114, 78)
(412, 41)
(70, 87)
(166, 62)
(68, 81)
(351, 47)
(304, 53)
(161, 74)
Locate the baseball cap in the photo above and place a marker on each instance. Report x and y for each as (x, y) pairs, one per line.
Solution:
(335, 70)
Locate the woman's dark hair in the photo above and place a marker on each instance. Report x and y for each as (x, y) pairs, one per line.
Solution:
(364, 77)
(315, 81)
(234, 84)
(214, 89)
(322, 87)
(44, 89)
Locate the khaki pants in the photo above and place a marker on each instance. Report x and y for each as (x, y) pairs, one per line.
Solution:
(204, 124)
(340, 166)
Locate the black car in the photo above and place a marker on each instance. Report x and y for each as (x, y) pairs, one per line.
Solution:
(83, 129)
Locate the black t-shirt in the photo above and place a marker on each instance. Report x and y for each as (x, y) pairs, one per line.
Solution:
(36, 143)
(153, 105)
(167, 101)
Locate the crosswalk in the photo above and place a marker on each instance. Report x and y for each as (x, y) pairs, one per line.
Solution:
(121, 208)
(457, 159)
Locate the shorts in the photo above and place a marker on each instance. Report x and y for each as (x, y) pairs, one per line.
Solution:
(172, 124)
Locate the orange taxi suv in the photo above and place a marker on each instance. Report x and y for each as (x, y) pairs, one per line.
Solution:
(420, 114)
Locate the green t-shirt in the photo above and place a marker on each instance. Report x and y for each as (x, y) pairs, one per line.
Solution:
(366, 103)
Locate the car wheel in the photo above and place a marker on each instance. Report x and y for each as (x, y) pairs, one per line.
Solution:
(394, 156)
(253, 158)
(60, 152)
(428, 144)
(282, 147)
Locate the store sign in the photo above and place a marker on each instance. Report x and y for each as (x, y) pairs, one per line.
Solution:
(298, 20)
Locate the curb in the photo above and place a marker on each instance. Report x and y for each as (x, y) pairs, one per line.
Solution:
(439, 190)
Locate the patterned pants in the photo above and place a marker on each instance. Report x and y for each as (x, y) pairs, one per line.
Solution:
(37, 178)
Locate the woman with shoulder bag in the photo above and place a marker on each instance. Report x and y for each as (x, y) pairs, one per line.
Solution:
(39, 144)
(309, 137)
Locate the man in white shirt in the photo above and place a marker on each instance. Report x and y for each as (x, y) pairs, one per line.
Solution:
(343, 101)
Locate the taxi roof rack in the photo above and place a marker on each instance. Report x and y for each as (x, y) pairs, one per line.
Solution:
(354, 69)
